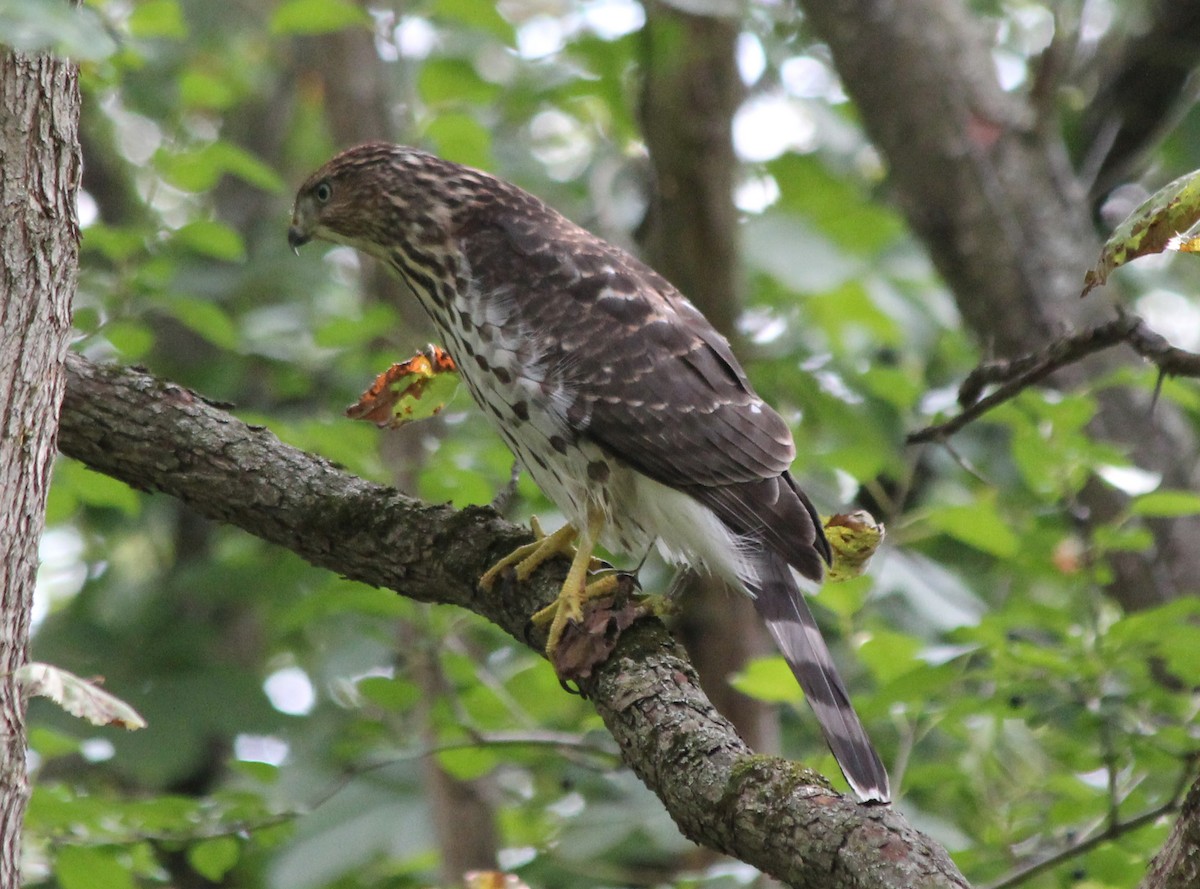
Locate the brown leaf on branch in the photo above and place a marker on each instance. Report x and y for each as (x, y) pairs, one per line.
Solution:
(587, 645)
(78, 696)
(411, 390)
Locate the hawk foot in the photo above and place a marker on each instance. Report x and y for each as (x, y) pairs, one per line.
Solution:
(526, 559)
(553, 618)
(579, 638)
(583, 629)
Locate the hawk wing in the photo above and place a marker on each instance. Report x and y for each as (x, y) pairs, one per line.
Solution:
(650, 380)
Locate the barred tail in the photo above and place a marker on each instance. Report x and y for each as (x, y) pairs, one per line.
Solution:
(781, 605)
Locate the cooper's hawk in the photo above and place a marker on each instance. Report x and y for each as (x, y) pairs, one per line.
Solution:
(621, 401)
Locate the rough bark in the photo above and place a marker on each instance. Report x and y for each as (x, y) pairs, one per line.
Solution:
(775, 815)
(690, 91)
(39, 249)
(1177, 865)
(1007, 224)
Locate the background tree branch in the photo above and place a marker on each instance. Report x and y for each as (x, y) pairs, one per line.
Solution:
(766, 811)
(1006, 222)
(1017, 374)
(690, 92)
(1142, 88)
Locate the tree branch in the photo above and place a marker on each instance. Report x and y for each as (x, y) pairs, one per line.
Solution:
(995, 201)
(1140, 94)
(990, 196)
(773, 814)
(1084, 844)
(1018, 374)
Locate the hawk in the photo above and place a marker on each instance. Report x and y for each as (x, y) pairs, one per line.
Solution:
(627, 408)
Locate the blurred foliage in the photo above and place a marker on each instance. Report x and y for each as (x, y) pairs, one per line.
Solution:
(292, 715)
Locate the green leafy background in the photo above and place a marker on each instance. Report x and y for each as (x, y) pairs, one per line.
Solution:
(291, 719)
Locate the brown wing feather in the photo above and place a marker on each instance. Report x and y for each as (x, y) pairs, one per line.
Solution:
(660, 388)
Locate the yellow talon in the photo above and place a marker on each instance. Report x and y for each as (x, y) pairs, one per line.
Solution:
(576, 590)
(569, 607)
(528, 558)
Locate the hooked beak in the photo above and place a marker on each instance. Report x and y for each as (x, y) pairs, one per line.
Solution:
(297, 238)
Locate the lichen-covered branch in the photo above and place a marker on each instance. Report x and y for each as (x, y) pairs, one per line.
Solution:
(773, 814)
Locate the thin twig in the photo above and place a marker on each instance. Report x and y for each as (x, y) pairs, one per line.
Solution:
(1111, 831)
(1017, 374)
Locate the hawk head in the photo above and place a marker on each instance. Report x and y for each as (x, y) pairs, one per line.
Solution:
(376, 196)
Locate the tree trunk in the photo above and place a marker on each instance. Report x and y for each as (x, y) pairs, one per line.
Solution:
(39, 251)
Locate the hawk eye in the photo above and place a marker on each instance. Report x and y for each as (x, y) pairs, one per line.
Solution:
(323, 191)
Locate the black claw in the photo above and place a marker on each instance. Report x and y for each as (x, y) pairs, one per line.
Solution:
(572, 690)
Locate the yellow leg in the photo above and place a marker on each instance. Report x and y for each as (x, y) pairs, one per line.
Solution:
(531, 556)
(575, 590)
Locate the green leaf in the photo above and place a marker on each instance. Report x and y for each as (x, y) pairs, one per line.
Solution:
(51, 744)
(1152, 228)
(206, 318)
(200, 169)
(115, 244)
(68, 30)
(468, 763)
(454, 82)
(204, 89)
(484, 16)
(211, 238)
(131, 338)
(90, 867)
(95, 489)
(1109, 538)
(891, 655)
(979, 525)
(767, 679)
(341, 331)
(1166, 504)
(391, 694)
(263, 772)
(847, 311)
(214, 858)
(157, 18)
(244, 165)
(836, 204)
(316, 17)
(461, 138)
